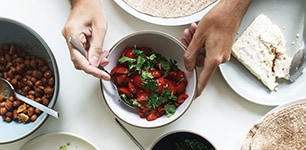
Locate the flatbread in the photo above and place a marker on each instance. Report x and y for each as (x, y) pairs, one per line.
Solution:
(169, 8)
(283, 129)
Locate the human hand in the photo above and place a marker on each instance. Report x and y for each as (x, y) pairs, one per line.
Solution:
(209, 43)
(87, 24)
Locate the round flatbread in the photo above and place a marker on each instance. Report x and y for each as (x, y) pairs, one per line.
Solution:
(169, 8)
(283, 129)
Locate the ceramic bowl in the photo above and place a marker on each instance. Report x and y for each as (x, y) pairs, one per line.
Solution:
(167, 46)
(14, 32)
(179, 140)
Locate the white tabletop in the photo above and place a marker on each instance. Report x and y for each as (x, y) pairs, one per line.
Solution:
(219, 114)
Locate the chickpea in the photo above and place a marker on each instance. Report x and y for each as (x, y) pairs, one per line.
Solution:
(37, 111)
(16, 103)
(1, 98)
(48, 74)
(33, 63)
(3, 110)
(38, 99)
(8, 105)
(51, 81)
(48, 90)
(9, 114)
(33, 117)
(45, 101)
(30, 77)
(14, 81)
(30, 111)
(8, 119)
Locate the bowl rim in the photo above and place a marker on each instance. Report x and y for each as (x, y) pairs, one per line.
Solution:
(188, 131)
(55, 72)
(174, 40)
(58, 133)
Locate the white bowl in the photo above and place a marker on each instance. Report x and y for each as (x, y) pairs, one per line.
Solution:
(168, 47)
(58, 141)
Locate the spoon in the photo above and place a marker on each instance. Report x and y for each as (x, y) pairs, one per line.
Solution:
(299, 59)
(130, 135)
(7, 90)
(83, 52)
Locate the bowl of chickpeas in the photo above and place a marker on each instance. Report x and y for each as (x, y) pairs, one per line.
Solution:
(29, 65)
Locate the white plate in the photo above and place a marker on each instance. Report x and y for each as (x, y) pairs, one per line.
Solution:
(54, 141)
(165, 21)
(288, 15)
(276, 109)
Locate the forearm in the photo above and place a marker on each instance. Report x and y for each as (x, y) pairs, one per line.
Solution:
(83, 2)
(235, 8)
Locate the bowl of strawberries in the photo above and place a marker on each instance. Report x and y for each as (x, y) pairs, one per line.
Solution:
(153, 88)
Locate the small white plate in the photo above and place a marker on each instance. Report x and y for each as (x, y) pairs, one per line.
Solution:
(58, 141)
(165, 21)
(288, 16)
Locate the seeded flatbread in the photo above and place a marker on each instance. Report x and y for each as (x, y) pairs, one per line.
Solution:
(283, 129)
(169, 8)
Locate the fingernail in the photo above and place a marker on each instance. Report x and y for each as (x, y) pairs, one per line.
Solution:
(94, 60)
(188, 67)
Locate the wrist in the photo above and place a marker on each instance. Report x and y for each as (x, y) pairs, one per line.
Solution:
(74, 3)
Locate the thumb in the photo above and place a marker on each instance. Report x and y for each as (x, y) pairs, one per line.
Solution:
(95, 50)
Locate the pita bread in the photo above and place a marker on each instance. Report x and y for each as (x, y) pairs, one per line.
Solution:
(283, 129)
(169, 8)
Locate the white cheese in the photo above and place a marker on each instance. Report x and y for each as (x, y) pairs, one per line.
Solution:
(261, 49)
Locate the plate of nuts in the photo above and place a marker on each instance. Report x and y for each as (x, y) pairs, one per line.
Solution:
(29, 65)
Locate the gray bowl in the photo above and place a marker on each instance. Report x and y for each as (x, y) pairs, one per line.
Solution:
(17, 33)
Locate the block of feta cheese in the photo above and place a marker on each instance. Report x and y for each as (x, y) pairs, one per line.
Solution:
(261, 49)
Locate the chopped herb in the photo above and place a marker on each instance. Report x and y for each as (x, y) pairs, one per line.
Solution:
(191, 144)
(170, 109)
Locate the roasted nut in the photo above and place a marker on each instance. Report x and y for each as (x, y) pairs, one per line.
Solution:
(3, 110)
(30, 76)
(33, 117)
(30, 111)
(22, 117)
(21, 108)
(8, 105)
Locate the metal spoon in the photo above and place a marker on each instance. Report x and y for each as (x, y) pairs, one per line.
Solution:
(299, 59)
(74, 43)
(7, 90)
(130, 135)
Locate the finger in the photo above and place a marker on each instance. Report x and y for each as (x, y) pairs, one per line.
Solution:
(193, 28)
(96, 44)
(188, 34)
(104, 58)
(183, 41)
(204, 76)
(190, 55)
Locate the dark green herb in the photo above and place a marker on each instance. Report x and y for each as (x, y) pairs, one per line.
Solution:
(191, 144)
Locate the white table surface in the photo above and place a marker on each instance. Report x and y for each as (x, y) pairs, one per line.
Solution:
(219, 114)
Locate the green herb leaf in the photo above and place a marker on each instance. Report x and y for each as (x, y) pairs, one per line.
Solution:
(170, 109)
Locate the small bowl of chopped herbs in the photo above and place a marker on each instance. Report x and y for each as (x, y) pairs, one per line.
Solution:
(148, 70)
(183, 140)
